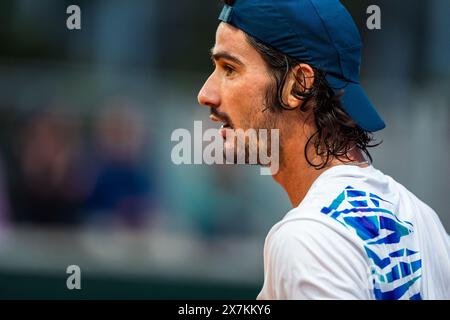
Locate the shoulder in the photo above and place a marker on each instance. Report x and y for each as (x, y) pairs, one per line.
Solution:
(310, 259)
(317, 250)
(315, 233)
(311, 222)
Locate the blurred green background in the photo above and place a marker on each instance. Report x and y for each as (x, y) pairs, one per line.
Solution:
(86, 118)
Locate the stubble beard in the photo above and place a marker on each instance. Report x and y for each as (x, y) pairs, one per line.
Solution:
(247, 145)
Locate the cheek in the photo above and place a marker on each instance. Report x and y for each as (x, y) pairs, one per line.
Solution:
(246, 101)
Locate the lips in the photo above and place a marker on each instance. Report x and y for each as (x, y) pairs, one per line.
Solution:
(225, 126)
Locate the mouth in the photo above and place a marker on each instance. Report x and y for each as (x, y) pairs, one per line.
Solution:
(225, 125)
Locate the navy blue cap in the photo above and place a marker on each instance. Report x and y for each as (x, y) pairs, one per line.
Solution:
(320, 33)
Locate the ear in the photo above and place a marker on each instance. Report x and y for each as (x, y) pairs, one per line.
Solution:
(299, 80)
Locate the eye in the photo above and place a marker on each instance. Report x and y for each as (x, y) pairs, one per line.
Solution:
(229, 70)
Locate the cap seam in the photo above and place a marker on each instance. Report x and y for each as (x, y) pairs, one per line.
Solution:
(328, 34)
(292, 30)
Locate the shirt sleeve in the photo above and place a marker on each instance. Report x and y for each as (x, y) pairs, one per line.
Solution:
(307, 260)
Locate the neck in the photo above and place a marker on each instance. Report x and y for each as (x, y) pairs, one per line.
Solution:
(296, 175)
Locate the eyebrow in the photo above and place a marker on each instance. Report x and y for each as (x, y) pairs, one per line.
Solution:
(225, 56)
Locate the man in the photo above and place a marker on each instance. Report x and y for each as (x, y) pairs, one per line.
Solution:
(354, 233)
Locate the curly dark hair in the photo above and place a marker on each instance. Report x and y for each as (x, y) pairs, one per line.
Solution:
(336, 132)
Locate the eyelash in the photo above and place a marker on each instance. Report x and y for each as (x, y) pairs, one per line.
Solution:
(228, 69)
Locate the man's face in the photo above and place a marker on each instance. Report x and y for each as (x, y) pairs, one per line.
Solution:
(237, 90)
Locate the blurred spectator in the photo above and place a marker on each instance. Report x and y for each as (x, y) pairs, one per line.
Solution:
(49, 186)
(124, 189)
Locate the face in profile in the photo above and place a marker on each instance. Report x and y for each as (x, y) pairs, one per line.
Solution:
(237, 93)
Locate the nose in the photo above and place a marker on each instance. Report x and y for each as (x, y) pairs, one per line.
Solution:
(209, 95)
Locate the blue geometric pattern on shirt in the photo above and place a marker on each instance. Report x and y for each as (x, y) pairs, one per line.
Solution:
(395, 266)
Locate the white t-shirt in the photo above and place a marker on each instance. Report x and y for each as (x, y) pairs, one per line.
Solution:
(358, 234)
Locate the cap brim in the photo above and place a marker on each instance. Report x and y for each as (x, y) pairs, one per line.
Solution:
(357, 104)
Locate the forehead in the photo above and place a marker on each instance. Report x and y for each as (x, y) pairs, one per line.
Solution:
(234, 41)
